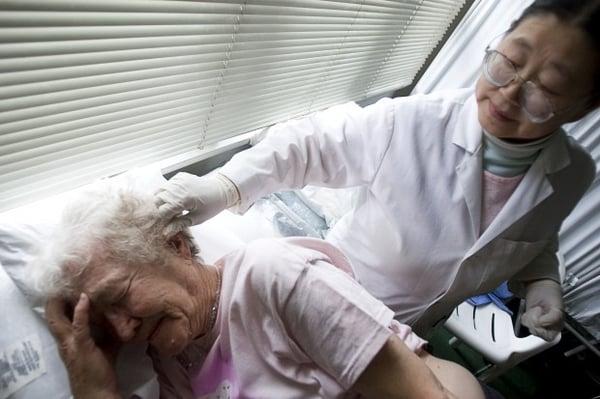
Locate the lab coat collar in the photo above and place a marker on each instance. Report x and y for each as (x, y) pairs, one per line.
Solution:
(467, 132)
(555, 156)
(468, 135)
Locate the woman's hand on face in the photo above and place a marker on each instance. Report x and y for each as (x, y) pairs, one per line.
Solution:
(90, 367)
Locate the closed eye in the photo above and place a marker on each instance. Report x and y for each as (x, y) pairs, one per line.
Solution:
(120, 299)
(517, 60)
(107, 295)
(547, 91)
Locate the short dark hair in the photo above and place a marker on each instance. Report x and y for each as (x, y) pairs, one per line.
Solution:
(584, 14)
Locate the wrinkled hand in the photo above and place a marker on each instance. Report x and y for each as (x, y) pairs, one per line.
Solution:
(202, 197)
(91, 368)
(544, 315)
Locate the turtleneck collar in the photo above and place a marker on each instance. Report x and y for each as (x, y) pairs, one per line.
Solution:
(507, 159)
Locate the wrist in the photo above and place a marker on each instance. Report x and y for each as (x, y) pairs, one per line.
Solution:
(231, 194)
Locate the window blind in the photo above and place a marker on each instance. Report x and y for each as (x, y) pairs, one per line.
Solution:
(90, 89)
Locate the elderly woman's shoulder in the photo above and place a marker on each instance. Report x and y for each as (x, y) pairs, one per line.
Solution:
(268, 267)
(272, 255)
(272, 252)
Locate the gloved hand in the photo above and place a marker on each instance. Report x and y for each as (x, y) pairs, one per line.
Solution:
(201, 196)
(544, 314)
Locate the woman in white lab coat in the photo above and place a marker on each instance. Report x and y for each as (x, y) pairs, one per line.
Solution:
(464, 189)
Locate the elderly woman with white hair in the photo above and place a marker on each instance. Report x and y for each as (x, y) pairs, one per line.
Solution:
(280, 318)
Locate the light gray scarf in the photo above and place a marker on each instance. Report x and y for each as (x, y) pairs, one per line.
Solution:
(506, 159)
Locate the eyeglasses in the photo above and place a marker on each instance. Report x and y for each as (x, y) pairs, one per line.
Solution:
(500, 71)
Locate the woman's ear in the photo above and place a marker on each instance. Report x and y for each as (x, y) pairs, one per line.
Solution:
(180, 245)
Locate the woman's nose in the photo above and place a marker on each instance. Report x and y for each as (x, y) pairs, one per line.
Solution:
(512, 91)
(124, 325)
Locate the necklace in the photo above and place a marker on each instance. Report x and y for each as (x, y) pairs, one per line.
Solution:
(215, 306)
(189, 357)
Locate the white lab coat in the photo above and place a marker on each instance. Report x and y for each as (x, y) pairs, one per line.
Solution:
(415, 242)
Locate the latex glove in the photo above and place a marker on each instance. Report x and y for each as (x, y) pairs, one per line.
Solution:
(544, 314)
(91, 368)
(201, 196)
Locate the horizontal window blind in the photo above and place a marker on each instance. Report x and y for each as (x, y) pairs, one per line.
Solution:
(90, 89)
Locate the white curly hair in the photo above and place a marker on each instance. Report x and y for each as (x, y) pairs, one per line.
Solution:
(104, 224)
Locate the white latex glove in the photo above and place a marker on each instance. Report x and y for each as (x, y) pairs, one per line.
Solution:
(201, 196)
(544, 314)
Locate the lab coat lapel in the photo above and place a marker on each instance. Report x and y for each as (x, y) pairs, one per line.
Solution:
(467, 135)
(469, 177)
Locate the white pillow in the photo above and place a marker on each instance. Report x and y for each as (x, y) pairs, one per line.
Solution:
(227, 232)
(29, 363)
(17, 244)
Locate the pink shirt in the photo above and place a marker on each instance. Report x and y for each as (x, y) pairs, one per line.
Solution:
(496, 190)
(289, 325)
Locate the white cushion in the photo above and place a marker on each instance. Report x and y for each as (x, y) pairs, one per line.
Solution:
(24, 335)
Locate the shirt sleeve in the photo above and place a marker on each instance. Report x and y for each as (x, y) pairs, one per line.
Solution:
(543, 266)
(336, 322)
(339, 147)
